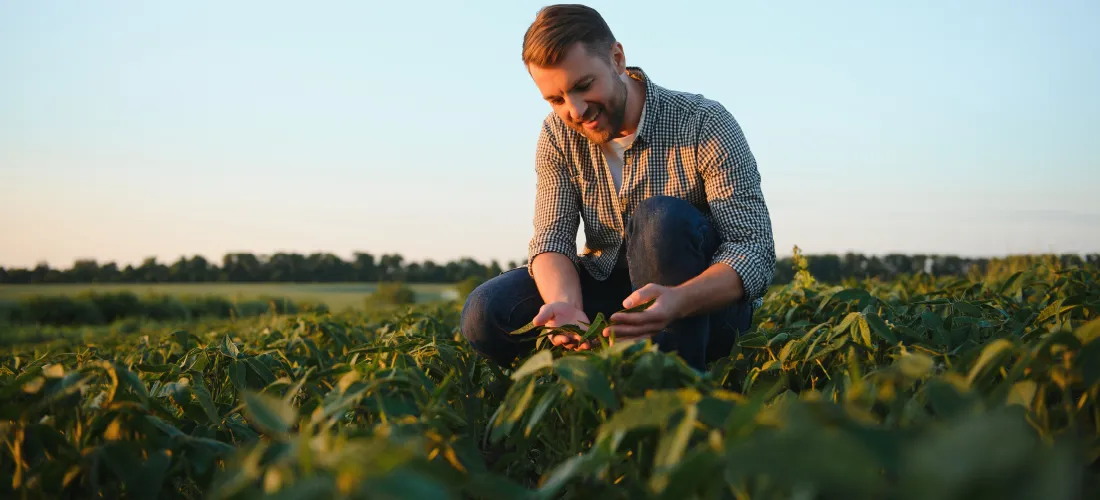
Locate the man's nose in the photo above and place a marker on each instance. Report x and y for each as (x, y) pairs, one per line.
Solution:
(576, 107)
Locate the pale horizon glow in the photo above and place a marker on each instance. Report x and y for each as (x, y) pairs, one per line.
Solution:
(131, 130)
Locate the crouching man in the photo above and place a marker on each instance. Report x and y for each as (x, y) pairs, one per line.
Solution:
(670, 197)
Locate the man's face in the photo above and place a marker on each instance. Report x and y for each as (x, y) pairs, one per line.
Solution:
(586, 92)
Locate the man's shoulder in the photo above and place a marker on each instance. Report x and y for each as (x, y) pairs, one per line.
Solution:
(552, 124)
(681, 108)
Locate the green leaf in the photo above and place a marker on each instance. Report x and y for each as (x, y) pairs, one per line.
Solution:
(990, 352)
(167, 428)
(540, 360)
(560, 475)
(548, 399)
(316, 487)
(852, 294)
(847, 322)
(512, 408)
(833, 464)
(697, 471)
(754, 339)
(212, 444)
(202, 395)
(653, 410)
(880, 328)
(1022, 393)
(53, 371)
(268, 412)
(583, 375)
(524, 329)
(958, 458)
(237, 375)
(261, 370)
(1088, 332)
(932, 320)
(946, 400)
(670, 449)
(143, 476)
(864, 330)
(1049, 311)
(714, 411)
(495, 487)
(183, 338)
(1088, 362)
(229, 348)
(596, 328)
(1009, 282)
(967, 309)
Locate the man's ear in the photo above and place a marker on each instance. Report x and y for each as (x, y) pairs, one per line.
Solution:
(618, 58)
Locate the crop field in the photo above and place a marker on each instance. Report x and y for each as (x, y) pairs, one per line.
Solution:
(918, 388)
(336, 295)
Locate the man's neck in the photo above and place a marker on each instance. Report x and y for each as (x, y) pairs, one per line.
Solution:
(635, 99)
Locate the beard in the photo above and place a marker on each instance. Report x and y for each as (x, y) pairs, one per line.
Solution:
(614, 112)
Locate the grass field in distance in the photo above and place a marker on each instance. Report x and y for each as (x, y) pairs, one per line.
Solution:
(336, 295)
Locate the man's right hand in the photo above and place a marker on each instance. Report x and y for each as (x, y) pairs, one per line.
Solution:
(556, 314)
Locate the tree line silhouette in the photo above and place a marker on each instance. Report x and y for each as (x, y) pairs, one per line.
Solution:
(391, 267)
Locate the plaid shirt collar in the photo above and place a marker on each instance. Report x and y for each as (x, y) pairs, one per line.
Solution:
(652, 104)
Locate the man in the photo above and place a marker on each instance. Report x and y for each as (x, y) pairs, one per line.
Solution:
(670, 197)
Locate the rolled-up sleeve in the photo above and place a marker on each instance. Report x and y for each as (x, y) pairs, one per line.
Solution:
(732, 183)
(557, 202)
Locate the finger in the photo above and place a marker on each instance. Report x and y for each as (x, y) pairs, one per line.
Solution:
(632, 331)
(648, 316)
(543, 316)
(641, 295)
(560, 339)
(636, 318)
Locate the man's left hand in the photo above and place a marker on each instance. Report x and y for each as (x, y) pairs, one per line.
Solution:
(667, 308)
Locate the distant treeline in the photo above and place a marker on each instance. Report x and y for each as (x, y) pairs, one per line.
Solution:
(365, 267)
(96, 308)
(252, 268)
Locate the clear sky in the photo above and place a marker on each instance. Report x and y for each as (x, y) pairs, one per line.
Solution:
(134, 129)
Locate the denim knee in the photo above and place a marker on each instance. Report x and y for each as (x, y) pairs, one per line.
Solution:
(476, 317)
(664, 227)
(659, 216)
(487, 315)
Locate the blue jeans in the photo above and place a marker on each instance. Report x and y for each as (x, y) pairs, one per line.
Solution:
(668, 241)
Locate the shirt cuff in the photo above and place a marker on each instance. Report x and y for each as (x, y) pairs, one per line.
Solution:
(756, 270)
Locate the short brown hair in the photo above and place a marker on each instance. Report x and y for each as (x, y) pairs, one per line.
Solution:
(557, 27)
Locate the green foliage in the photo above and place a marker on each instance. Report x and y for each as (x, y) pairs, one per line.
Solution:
(393, 293)
(918, 388)
(98, 308)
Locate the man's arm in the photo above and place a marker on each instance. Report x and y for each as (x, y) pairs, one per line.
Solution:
(553, 247)
(744, 264)
(557, 280)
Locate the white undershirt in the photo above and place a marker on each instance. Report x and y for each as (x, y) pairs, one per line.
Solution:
(613, 152)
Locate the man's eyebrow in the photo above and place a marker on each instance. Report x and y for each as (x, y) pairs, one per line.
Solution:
(573, 85)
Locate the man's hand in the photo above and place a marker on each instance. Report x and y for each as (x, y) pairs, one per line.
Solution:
(667, 308)
(556, 314)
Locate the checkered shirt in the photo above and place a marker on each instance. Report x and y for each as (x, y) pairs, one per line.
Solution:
(687, 146)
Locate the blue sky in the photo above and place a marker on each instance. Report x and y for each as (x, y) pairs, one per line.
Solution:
(134, 129)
